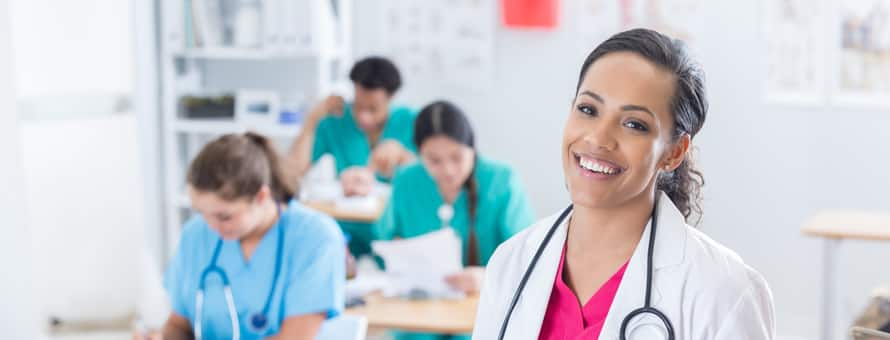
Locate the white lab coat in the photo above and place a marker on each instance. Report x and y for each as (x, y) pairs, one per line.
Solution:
(705, 289)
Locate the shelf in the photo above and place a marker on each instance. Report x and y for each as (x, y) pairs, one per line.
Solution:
(220, 127)
(234, 53)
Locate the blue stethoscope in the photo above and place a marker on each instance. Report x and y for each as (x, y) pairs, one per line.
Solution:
(259, 322)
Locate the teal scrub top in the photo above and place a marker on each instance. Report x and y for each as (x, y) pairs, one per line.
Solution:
(312, 277)
(342, 138)
(502, 207)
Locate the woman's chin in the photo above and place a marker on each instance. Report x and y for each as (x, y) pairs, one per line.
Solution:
(589, 200)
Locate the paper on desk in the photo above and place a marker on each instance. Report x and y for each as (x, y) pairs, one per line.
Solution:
(360, 204)
(320, 184)
(422, 263)
(369, 279)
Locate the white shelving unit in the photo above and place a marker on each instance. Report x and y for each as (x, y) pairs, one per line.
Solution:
(304, 53)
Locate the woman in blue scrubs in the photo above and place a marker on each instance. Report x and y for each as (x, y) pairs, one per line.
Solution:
(278, 266)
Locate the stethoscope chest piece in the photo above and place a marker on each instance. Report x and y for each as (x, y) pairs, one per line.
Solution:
(445, 213)
(259, 322)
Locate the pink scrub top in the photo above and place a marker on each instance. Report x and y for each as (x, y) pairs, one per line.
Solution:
(566, 319)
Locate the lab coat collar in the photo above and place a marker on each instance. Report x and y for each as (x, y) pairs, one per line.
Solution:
(670, 245)
(670, 250)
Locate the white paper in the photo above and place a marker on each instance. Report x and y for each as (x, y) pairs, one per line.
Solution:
(321, 185)
(422, 263)
(368, 279)
(359, 204)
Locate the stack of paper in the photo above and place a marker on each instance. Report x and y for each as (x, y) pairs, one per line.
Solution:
(420, 264)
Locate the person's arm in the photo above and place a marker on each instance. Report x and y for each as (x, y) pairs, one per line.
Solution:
(300, 327)
(389, 155)
(469, 280)
(388, 225)
(316, 281)
(751, 316)
(517, 213)
(357, 181)
(177, 328)
(300, 153)
(385, 226)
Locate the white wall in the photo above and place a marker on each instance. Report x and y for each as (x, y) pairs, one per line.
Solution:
(767, 168)
(85, 205)
(71, 47)
(18, 312)
(84, 186)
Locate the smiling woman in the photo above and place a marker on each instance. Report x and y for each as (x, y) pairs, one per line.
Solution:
(598, 269)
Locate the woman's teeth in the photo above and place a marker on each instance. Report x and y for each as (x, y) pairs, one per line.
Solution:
(597, 167)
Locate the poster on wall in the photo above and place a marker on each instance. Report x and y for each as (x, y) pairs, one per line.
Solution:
(795, 48)
(861, 53)
(448, 40)
(596, 20)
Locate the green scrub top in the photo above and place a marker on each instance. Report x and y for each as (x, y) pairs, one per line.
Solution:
(502, 210)
(342, 138)
(502, 207)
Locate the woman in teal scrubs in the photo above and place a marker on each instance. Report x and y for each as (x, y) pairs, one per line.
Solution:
(253, 264)
(482, 200)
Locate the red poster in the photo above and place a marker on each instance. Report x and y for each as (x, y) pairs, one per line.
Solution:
(530, 13)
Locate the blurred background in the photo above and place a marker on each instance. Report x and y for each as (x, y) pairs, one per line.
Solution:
(96, 130)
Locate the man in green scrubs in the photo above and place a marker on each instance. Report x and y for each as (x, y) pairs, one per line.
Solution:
(369, 137)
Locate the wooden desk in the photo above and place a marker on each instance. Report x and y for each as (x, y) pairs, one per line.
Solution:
(330, 208)
(833, 227)
(433, 316)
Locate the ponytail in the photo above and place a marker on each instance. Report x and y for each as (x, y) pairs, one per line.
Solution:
(472, 186)
(683, 186)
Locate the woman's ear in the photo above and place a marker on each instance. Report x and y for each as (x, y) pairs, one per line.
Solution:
(264, 194)
(677, 153)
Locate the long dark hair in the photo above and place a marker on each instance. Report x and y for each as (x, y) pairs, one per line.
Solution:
(236, 166)
(688, 104)
(442, 118)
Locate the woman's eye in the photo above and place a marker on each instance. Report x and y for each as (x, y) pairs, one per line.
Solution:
(587, 109)
(637, 126)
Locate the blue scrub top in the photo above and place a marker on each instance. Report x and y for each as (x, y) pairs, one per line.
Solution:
(312, 278)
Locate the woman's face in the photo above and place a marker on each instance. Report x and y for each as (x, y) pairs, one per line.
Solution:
(232, 220)
(449, 163)
(618, 134)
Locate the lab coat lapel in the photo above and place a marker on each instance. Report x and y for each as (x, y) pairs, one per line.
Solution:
(532, 305)
(670, 245)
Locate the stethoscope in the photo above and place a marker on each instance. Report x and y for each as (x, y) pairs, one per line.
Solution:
(259, 321)
(647, 307)
(445, 213)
